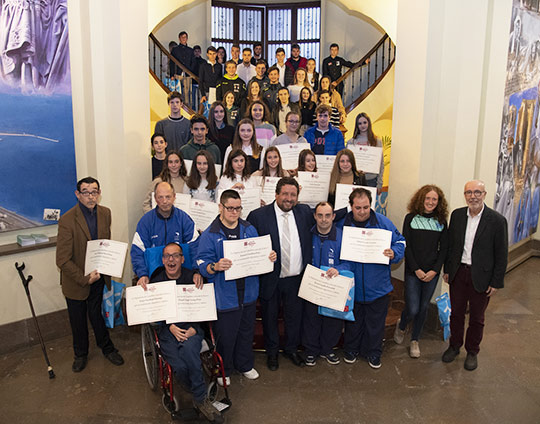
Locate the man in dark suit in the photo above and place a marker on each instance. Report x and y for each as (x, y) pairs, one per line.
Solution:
(289, 225)
(84, 293)
(474, 268)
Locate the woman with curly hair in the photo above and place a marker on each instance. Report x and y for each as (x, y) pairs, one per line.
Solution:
(426, 231)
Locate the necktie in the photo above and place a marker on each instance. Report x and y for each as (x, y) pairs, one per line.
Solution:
(285, 246)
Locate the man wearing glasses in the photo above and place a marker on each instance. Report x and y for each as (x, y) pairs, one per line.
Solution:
(235, 299)
(84, 293)
(474, 268)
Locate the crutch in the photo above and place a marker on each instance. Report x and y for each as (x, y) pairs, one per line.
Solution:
(25, 282)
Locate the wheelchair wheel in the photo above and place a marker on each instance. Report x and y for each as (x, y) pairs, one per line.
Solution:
(213, 391)
(170, 406)
(150, 356)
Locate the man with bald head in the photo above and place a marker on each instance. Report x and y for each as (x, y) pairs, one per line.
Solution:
(159, 226)
(474, 269)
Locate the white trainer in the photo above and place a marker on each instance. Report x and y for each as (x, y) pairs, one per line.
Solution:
(227, 380)
(399, 335)
(252, 374)
(414, 349)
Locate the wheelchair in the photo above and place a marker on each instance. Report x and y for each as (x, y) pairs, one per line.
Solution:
(160, 374)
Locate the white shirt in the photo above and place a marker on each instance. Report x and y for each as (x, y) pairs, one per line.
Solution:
(281, 73)
(246, 72)
(470, 232)
(296, 250)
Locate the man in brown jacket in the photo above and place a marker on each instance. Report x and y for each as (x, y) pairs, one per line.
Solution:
(84, 293)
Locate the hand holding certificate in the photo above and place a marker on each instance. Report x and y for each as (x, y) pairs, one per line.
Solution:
(105, 256)
(248, 257)
(157, 303)
(365, 245)
(317, 288)
(193, 304)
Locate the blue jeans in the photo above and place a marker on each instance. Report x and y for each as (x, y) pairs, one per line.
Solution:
(417, 297)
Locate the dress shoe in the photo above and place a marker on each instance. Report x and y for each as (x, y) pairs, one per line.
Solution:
(79, 363)
(295, 358)
(471, 362)
(450, 354)
(115, 358)
(272, 362)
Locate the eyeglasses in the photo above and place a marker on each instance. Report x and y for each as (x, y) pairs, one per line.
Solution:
(475, 193)
(167, 256)
(237, 209)
(89, 193)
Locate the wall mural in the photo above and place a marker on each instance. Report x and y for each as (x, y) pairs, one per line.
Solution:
(518, 172)
(37, 155)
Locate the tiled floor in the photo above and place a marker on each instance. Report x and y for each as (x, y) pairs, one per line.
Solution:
(504, 389)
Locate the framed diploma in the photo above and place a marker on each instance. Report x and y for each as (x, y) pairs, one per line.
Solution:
(344, 190)
(313, 187)
(181, 201)
(157, 303)
(368, 158)
(325, 163)
(328, 292)
(289, 154)
(202, 212)
(248, 256)
(193, 304)
(365, 245)
(105, 256)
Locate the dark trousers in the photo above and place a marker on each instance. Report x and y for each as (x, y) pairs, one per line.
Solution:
(234, 332)
(365, 334)
(286, 294)
(462, 292)
(185, 360)
(319, 333)
(79, 312)
(417, 297)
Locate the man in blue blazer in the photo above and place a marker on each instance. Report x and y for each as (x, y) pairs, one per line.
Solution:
(289, 225)
(474, 269)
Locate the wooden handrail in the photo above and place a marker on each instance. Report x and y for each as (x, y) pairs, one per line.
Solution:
(362, 61)
(165, 52)
(167, 90)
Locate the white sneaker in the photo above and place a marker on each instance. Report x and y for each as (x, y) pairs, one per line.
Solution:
(399, 335)
(227, 380)
(414, 349)
(252, 374)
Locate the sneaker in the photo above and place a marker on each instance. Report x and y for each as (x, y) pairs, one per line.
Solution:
(471, 362)
(331, 358)
(252, 374)
(414, 349)
(374, 362)
(208, 410)
(350, 357)
(311, 361)
(450, 354)
(399, 334)
(227, 380)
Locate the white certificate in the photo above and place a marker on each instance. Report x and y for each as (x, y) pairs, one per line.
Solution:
(313, 187)
(289, 154)
(320, 290)
(251, 199)
(365, 245)
(344, 190)
(189, 163)
(203, 212)
(368, 158)
(181, 201)
(268, 189)
(157, 303)
(194, 305)
(248, 256)
(105, 256)
(325, 163)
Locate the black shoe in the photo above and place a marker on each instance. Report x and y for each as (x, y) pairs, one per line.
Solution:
(450, 354)
(115, 358)
(272, 362)
(471, 362)
(79, 363)
(295, 358)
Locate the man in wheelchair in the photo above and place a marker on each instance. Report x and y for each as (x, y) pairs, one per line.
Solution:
(181, 342)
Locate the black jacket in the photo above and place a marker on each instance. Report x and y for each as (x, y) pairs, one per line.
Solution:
(209, 76)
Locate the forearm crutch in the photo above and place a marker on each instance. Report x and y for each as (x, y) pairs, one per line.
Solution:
(25, 282)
